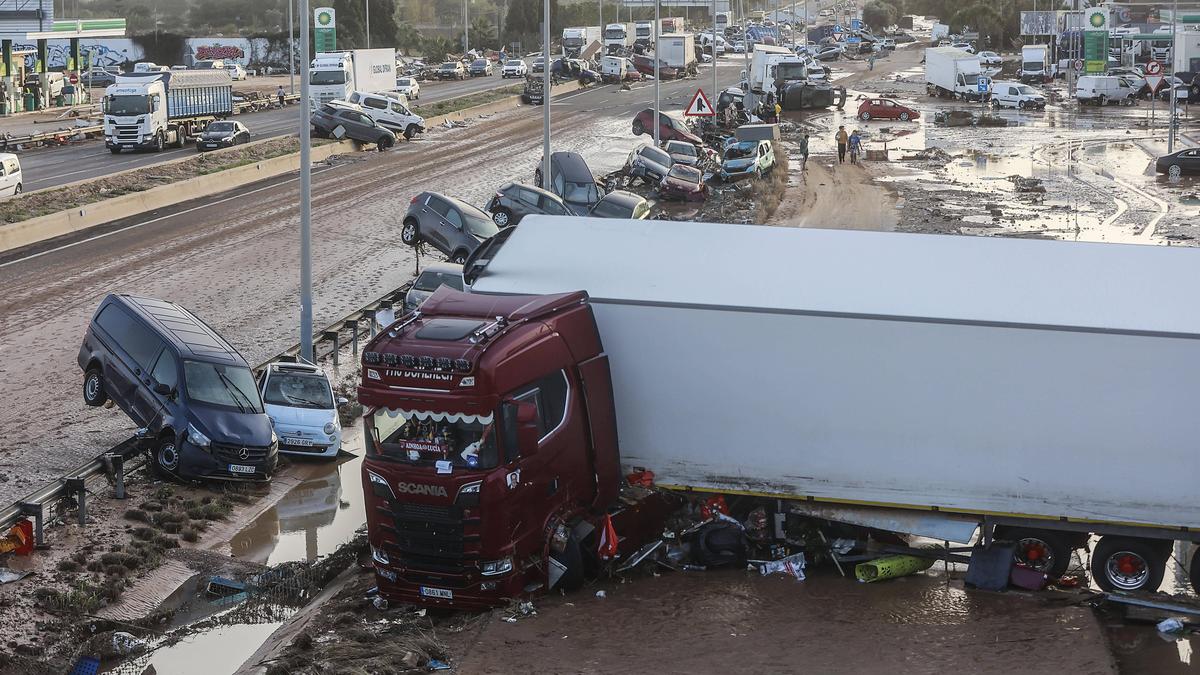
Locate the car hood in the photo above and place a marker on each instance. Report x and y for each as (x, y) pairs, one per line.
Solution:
(232, 427)
(680, 184)
(302, 417)
(738, 164)
(216, 135)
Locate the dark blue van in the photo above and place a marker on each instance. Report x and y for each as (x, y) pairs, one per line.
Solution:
(184, 384)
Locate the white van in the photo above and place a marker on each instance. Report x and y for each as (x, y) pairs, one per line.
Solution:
(1105, 89)
(1016, 95)
(148, 67)
(10, 175)
(390, 110)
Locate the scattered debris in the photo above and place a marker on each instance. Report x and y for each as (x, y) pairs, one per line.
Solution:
(891, 567)
(793, 564)
(1024, 184)
(1170, 626)
(125, 644)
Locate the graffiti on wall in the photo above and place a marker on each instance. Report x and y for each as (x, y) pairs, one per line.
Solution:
(105, 53)
(225, 52)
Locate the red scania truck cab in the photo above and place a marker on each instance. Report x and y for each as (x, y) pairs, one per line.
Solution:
(491, 447)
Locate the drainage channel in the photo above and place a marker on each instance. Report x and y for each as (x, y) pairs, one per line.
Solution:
(214, 636)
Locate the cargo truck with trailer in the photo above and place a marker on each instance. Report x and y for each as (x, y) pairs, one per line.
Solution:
(954, 73)
(1006, 404)
(618, 38)
(335, 75)
(643, 33)
(579, 38)
(151, 110)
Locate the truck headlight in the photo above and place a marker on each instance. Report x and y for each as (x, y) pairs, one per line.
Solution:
(379, 485)
(491, 568)
(196, 438)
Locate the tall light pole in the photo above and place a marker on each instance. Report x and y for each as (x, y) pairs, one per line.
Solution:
(291, 47)
(367, 4)
(306, 306)
(1172, 64)
(466, 29)
(546, 94)
(657, 79)
(714, 50)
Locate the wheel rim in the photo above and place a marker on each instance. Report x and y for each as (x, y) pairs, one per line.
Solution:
(500, 218)
(92, 387)
(1035, 553)
(903, 117)
(1127, 570)
(409, 232)
(459, 259)
(168, 458)
(865, 116)
(1175, 171)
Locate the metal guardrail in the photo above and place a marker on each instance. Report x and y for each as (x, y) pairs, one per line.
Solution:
(41, 504)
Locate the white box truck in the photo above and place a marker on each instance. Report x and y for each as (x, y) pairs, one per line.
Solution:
(151, 110)
(335, 75)
(1037, 64)
(954, 73)
(618, 37)
(1004, 401)
(678, 51)
(575, 40)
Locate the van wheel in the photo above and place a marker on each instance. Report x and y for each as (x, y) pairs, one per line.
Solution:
(459, 258)
(166, 457)
(410, 132)
(1128, 564)
(1021, 105)
(18, 190)
(409, 233)
(93, 388)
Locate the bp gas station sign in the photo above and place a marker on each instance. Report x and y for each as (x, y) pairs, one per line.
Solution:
(1095, 40)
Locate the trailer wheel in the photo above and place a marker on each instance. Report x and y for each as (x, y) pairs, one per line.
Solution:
(1127, 564)
(1046, 551)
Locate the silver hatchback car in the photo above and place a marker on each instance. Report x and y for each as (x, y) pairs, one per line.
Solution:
(450, 225)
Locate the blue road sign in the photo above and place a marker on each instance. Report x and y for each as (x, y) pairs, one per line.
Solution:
(984, 85)
(855, 24)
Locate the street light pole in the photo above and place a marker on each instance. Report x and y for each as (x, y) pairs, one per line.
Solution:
(306, 304)
(291, 47)
(546, 95)
(713, 95)
(1171, 75)
(657, 79)
(367, 4)
(466, 29)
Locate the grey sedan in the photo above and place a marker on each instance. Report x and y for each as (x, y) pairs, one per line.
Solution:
(450, 225)
(514, 201)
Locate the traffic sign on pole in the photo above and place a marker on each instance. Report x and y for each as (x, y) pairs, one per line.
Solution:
(1079, 65)
(983, 85)
(700, 106)
(1153, 81)
(1153, 68)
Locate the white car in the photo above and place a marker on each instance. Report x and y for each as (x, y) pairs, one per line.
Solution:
(514, 68)
(236, 71)
(409, 87)
(739, 47)
(389, 110)
(1016, 95)
(10, 175)
(965, 46)
(300, 402)
(990, 59)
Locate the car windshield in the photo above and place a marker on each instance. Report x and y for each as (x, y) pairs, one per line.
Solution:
(222, 385)
(514, 62)
(431, 280)
(656, 155)
(1024, 90)
(741, 150)
(611, 208)
(449, 65)
(327, 77)
(220, 126)
(683, 149)
(479, 63)
(685, 172)
(580, 193)
(404, 82)
(429, 436)
(127, 105)
(298, 390)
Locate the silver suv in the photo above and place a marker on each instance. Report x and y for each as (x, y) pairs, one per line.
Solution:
(450, 225)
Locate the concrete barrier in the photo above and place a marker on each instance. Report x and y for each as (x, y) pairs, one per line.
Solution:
(494, 107)
(42, 228)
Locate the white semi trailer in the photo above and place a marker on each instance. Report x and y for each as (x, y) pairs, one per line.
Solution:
(939, 385)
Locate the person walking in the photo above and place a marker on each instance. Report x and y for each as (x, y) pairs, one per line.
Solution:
(855, 146)
(871, 62)
(842, 139)
(279, 93)
(804, 153)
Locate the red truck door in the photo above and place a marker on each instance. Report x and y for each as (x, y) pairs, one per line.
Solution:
(602, 428)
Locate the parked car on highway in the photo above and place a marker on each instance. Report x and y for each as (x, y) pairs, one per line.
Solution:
(621, 204)
(670, 129)
(514, 68)
(539, 64)
(683, 182)
(990, 59)
(1179, 163)
(649, 163)
(409, 87)
(432, 277)
(11, 178)
(181, 382)
(100, 77)
(236, 71)
(452, 70)
(481, 67)
(1016, 95)
(222, 134)
(450, 225)
(965, 46)
(390, 112)
(514, 201)
(683, 152)
(828, 53)
(571, 179)
(353, 123)
(747, 159)
(885, 109)
(303, 409)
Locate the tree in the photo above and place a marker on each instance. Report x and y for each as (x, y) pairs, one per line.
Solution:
(408, 38)
(522, 22)
(437, 47)
(979, 17)
(383, 23)
(879, 14)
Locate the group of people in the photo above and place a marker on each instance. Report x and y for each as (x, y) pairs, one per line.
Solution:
(851, 142)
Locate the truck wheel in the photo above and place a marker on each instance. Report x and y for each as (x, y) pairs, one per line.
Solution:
(159, 143)
(1046, 551)
(1127, 564)
(572, 559)
(409, 234)
(1102, 101)
(93, 388)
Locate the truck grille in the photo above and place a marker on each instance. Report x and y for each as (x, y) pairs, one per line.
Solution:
(127, 133)
(233, 454)
(430, 538)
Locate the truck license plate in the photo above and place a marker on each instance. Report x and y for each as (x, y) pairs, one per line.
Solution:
(443, 593)
(240, 468)
(304, 442)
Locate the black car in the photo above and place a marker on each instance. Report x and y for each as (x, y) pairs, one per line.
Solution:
(222, 134)
(1179, 163)
(621, 204)
(451, 225)
(353, 123)
(183, 384)
(571, 179)
(514, 201)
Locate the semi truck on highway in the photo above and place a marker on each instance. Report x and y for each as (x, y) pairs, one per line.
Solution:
(151, 110)
(1005, 404)
(575, 40)
(954, 73)
(335, 75)
(643, 33)
(618, 37)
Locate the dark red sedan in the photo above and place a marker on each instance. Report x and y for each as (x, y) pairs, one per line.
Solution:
(670, 129)
(885, 109)
(683, 182)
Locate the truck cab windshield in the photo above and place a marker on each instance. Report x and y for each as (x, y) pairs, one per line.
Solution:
(426, 437)
(327, 77)
(614, 34)
(791, 71)
(129, 104)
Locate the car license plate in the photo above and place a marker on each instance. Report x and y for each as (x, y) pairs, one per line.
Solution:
(240, 468)
(443, 593)
(303, 442)
(210, 145)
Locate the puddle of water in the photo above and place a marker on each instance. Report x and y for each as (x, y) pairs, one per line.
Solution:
(315, 517)
(218, 650)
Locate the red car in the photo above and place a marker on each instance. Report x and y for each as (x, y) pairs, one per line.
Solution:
(645, 65)
(885, 109)
(670, 129)
(683, 182)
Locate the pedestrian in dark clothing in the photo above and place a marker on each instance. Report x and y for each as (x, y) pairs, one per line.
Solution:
(280, 94)
(804, 152)
(842, 139)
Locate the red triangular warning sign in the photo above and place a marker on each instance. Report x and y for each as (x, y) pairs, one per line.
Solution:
(699, 107)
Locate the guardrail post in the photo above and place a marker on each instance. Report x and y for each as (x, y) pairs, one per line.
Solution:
(116, 466)
(35, 510)
(333, 335)
(76, 486)
(353, 326)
